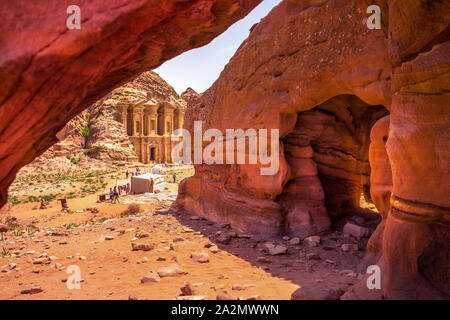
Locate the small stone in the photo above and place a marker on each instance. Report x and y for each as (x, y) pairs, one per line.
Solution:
(31, 290)
(40, 260)
(3, 228)
(151, 277)
(200, 257)
(187, 289)
(132, 297)
(286, 238)
(214, 249)
(356, 231)
(208, 245)
(278, 250)
(142, 246)
(294, 241)
(223, 239)
(319, 292)
(237, 287)
(171, 271)
(108, 238)
(313, 241)
(224, 296)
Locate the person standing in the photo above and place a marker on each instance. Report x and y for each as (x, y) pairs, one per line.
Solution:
(115, 196)
(127, 174)
(111, 194)
(174, 177)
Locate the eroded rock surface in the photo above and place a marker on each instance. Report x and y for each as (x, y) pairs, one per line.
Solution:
(306, 55)
(50, 74)
(301, 56)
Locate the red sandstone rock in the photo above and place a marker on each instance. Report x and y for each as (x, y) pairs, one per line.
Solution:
(50, 74)
(295, 60)
(3, 228)
(380, 188)
(282, 70)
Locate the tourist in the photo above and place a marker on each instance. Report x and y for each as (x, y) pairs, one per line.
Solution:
(138, 171)
(127, 174)
(111, 194)
(174, 178)
(128, 188)
(115, 196)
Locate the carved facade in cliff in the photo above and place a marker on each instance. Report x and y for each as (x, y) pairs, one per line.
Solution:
(150, 128)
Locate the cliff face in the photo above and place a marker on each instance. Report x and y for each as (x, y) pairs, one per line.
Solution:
(313, 70)
(49, 74)
(108, 139)
(299, 57)
(96, 132)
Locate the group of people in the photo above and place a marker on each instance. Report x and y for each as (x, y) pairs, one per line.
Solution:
(118, 191)
(134, 173)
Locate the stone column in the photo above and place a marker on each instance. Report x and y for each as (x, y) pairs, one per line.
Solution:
(416, 240)
(152, 115)
(122, 112)
(181, 119)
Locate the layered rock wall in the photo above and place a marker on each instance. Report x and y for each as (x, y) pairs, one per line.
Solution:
(49, 74)
(303, 54)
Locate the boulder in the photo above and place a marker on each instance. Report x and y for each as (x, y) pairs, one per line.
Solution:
(151, 277)
(142, 246)
(355, 230)
(316, 292)
(173, 270)
(200, 257)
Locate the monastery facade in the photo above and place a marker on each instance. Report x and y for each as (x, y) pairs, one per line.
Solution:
(150, 128)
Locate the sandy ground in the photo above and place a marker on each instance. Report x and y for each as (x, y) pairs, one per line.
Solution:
(111, 270)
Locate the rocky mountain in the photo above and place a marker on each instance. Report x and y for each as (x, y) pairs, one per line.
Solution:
(96, 133)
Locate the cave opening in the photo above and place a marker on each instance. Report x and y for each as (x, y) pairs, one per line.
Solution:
(328, 154)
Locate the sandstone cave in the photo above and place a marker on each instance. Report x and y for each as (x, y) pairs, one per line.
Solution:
(328, 154)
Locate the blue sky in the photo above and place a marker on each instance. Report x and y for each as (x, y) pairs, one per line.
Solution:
(199, 68)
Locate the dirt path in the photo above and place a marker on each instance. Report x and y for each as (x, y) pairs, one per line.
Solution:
(110, 269)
